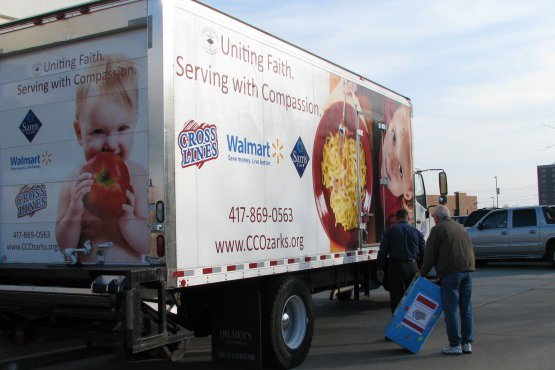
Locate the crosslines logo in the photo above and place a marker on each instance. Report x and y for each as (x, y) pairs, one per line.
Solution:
(198, 144)
(30, 199)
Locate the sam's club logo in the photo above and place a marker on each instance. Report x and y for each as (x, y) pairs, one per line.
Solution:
(300, 157)
(30, 125)
(198, 144)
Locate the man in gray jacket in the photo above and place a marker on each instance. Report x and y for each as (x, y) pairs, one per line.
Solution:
(450, 251)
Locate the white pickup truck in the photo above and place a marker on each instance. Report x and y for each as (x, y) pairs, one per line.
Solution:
(515, 233)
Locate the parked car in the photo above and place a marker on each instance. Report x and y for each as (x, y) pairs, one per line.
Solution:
(515, 233)
(476, 215)
(460, 219)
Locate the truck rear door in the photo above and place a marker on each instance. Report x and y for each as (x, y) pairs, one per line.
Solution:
(524, 235)
(62, 84)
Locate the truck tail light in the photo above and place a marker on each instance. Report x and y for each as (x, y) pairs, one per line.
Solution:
(160, 245)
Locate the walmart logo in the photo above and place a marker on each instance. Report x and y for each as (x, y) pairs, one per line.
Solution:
(27, 162)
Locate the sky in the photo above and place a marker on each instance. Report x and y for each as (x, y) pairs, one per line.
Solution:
(480, 74)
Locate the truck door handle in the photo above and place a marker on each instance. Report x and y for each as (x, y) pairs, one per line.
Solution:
(532, 231)
(503, 233)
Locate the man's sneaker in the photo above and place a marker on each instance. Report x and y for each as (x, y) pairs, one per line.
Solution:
(467, 348)
(455, 350)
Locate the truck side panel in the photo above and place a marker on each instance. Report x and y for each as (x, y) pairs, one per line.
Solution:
(259, 129)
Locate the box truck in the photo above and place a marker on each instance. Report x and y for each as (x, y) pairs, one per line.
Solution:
(168, 170)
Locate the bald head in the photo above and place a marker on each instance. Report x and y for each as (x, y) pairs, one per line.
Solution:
(441, 212)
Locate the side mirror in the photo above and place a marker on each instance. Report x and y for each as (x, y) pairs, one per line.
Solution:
(480, 226)
(443, 185)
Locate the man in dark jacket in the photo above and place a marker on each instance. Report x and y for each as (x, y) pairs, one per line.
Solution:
(449, 249)
(403, 244)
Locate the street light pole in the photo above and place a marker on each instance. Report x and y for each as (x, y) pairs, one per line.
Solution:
(496, 191)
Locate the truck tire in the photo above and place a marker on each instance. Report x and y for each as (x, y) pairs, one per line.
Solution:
(288, 324)
(550, 254)
(345, 295)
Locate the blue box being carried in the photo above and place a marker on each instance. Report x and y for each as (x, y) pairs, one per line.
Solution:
(416, 315)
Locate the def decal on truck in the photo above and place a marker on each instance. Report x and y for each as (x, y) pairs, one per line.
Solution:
(198, 144)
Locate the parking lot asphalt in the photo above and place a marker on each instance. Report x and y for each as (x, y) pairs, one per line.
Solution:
(513, 322)
(514, 305)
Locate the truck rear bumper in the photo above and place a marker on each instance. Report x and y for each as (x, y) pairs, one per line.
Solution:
(60, 300)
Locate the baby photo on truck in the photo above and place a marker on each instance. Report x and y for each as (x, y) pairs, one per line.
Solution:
(107, 201)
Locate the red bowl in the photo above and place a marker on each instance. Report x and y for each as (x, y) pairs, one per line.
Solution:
(329, 124)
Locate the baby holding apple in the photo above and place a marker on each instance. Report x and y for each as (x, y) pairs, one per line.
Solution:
(391, 157)
(396, 161)
(107, 202)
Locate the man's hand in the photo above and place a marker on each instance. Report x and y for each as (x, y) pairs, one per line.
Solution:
(380, 275)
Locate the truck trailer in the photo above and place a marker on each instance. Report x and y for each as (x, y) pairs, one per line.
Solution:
(169, 171)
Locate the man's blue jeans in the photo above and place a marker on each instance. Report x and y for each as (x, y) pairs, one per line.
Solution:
(456, 290)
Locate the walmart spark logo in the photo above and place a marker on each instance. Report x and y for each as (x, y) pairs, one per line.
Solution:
(277, 150)
(46, 158)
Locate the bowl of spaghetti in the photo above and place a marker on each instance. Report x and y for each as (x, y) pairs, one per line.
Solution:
(334, 170)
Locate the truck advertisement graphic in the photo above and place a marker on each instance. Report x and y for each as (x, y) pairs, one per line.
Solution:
(73, 148)
(266, 150)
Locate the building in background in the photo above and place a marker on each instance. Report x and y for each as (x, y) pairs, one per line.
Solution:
(546, 184)
(459, 204)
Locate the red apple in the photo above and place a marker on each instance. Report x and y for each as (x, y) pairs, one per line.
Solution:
(110, 182)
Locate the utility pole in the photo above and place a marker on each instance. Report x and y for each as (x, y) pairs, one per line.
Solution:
(496, 191)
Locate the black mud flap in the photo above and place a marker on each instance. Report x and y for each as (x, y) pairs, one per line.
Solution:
(236, 330)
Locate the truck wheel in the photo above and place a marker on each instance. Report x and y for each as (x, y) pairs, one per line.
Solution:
(288, 324)
(551, 253)
(344, 296)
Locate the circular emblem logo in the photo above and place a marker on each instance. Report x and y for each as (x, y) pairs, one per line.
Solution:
(37, 69)
(210, 41)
